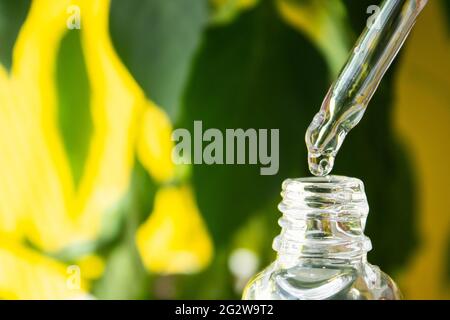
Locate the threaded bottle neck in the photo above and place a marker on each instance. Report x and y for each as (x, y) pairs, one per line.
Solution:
(323, 217)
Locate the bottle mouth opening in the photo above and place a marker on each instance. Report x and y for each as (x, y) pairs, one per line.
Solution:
(334, 194)
(331, 182)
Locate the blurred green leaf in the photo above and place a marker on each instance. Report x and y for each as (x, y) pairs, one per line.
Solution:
(358, 15)
(216, 282)
(74, 102)
(156, 40)
(325, 23)
(125, 277)
(446, 5)
(12, 16)
(225, 11)
(254, 73)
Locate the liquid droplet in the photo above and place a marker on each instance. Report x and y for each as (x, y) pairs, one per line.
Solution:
(320, 164)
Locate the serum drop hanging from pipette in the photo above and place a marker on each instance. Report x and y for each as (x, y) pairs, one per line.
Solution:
(348, 97)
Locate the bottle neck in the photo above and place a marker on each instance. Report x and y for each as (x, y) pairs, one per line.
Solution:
(323, 219)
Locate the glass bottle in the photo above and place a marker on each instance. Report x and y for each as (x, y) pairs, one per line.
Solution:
(322, 249)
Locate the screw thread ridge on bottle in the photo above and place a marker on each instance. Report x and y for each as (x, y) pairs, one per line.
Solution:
(323, 217)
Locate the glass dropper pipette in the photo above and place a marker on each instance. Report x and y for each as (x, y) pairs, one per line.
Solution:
(348, 97)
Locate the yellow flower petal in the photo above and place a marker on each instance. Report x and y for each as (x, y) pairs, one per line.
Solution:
(91, 266)
(174, 239)
(38, 164)
(115, 102)
(25, 274)
(12, 182)
(155, 145)
(38, 199)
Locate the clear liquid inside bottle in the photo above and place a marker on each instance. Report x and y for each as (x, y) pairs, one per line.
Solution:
(322, 249)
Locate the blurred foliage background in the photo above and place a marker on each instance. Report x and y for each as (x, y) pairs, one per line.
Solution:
(91, 204)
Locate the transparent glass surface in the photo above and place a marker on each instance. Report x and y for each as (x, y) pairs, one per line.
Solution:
(348, 97)
(322, 249)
